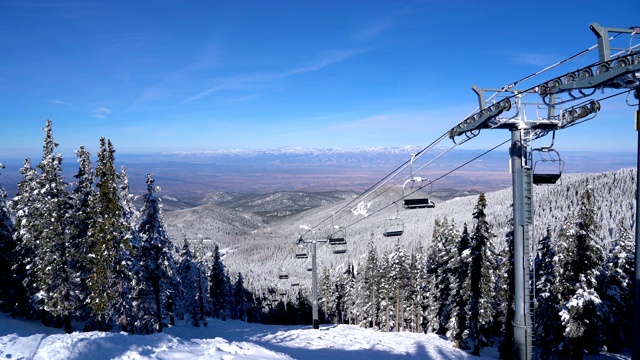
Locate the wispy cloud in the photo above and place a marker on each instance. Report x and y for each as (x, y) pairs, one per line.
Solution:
(101, 112)
(58, 102)
(535, 59)
(325, 59)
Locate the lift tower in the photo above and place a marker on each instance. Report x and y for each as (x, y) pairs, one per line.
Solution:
(621, 71)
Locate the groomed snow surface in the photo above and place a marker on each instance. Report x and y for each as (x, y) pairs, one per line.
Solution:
(228, 340)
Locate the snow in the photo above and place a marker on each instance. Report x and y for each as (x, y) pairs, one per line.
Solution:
(229, 340)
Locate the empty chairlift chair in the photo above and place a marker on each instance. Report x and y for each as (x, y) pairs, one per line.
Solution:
(284, 275)
(547, 165)
(301, 250)
(338, 241)
(393, 227)
(414, 197)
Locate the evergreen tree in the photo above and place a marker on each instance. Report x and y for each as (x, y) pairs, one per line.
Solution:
(547, 326)
(9, 286)
(57, 279)
(579, 270)
(187, 299)
(26, 233)
(239, 299)
(615, 287)
(82, 200)
(459, 271)
(219, 286)
(156, 263)
(443, 253)
(478, 286)
(201, 282)
(371, 285)
(110, 251)
(505, 296)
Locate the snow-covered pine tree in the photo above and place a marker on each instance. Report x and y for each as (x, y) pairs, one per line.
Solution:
(441, 255)
(58, 281)
(415, 296)
(478, 286)
(111, 259)
(615, 286)
(458, 273)
(8, 257)
(187, 294)
(579, 272)
(219, 286)
(371, 283)
(82, 200)
(547, 327)
(202, 283)
(156, 263)
(239, 310)
(27, 230)
(505, 296)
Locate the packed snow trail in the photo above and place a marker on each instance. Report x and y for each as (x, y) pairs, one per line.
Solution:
(230, 340)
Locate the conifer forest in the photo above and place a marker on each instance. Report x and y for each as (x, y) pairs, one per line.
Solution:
(79, 254)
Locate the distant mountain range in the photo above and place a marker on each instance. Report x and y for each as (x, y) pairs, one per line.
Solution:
(190, 176)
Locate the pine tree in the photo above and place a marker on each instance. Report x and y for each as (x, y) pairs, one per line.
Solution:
(239, 299)
(219, 286)
(187, 294)
(505, 296)
(110, 262)
(459, 271)
(547, 327)
(579, 270)
(82, 200)
(157, 265)
(26, 233)
(57, 280)
(371, 285)
(443, 252)
(478, 286)
(9, 286)
(615, 286)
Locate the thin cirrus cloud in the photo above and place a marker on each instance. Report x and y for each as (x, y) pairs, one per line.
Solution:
(328, 58)
(101, 112)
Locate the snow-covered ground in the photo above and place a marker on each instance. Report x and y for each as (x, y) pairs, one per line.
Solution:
(230, 340)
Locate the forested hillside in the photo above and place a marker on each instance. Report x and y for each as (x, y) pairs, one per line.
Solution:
(83, 256)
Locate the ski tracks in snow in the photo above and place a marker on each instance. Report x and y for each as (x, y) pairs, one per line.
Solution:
(20, 347)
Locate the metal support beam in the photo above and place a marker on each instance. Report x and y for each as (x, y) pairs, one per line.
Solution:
(522, 322)
(314, 285)
(635, 346)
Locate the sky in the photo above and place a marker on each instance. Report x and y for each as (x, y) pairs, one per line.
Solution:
(158, 76)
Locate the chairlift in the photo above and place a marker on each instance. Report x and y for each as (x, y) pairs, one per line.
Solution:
(337, 238)
(547, 165)
(393, 226)
(411, 191)
(284, 275)
(301, 250)
(295, 284)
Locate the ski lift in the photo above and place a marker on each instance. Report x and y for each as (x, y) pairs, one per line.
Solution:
(295, 284)
(393, 226)
(338, 238)
(284, 275)
(548, 165)
(338, 241)
(301, 250)
(413, 198)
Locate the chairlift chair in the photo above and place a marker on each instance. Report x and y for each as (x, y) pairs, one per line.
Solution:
(548, 165)
(284, 275)
(393, 226)
(411, 194)
(413, 198)
(301, 251)
(338, 241)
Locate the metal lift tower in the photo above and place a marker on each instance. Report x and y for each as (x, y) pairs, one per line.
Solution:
(621, 71)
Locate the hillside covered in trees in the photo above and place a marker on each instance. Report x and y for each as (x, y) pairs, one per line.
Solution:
(79, 255)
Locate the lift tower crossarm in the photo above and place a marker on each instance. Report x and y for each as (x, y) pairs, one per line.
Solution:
(602, 34)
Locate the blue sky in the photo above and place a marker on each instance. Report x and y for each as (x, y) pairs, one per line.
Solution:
(204, 75)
